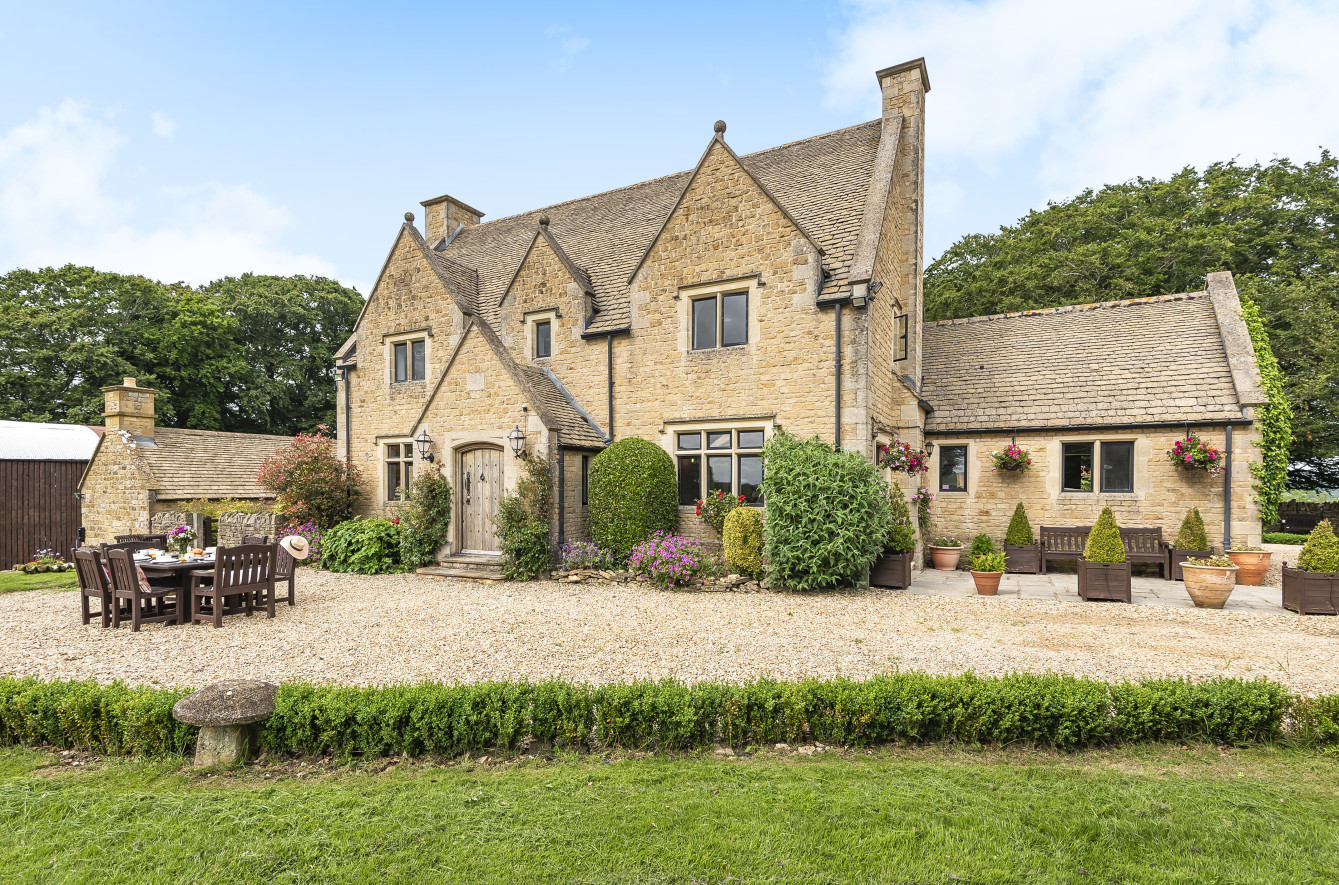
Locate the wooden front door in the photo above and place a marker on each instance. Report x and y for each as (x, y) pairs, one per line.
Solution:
(480, 491)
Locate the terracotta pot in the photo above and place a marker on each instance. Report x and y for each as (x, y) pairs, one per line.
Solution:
(987, 583)
(1209, 586)
(945, 558)
(1252, 566)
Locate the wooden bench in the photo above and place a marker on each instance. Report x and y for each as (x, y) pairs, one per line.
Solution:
(1067, 542)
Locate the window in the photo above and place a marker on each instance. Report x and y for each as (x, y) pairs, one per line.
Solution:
(1077, 467)
(1118, 467)
(727, 461)
(410, 359)
(399, 470)
(723, 318)
(543, 339)
(585, 480)
(900, 342)
(952, 468)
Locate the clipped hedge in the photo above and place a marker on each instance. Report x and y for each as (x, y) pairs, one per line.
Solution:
(1192, 535)
(1063, 712)
(633, 493)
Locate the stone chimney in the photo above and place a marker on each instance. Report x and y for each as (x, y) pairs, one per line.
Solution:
(442, 215)
(129, 407)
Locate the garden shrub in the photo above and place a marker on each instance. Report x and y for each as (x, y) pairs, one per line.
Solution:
(585, 555)
(111, 719)
(633, 492)
(425, 522)
(1321, 551)
(314, 535)
(216, 508)
(828, 513)
(1282, 538)
(713, 509)
(901, 533)
(363, 546)
(1019, 533)
(744, 541)
(982, 545)
(310, 482)
(668, 561)
(1104, 543)
(1192, 535)
(523, 521)
(1316, 720)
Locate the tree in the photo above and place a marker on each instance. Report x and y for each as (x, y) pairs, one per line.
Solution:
(1275, 226)
(310, 482)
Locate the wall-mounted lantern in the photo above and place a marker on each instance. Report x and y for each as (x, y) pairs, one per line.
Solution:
(424, 443)
(517, 439)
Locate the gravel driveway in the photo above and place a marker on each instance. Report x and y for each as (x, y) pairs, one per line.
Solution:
(374, 630)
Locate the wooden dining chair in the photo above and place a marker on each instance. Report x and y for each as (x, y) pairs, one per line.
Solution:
(245, 572)
(149, 540)
(255, 539)
(148, 603)
(284, 570)
(93, 584)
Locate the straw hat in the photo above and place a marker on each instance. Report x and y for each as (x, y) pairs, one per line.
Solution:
(296, 545)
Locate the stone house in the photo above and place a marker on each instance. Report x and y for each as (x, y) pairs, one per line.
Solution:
(140, 475)
(704, 310)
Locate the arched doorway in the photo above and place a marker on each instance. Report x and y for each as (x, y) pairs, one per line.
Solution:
(479, 490)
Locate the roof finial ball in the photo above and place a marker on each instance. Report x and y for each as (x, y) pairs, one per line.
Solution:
(719, 127)
(544, 219)
(409, 218)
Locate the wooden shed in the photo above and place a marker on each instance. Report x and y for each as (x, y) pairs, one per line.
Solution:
(40, 466)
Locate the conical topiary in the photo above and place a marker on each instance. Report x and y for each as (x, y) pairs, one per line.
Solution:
(901, 535)
(1020, 530)
(1192, 536)
(1104, 543)
(1321, 551)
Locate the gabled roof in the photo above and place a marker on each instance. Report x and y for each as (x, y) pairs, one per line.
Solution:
(35, 441)
(578, 275)
(1159, 360)
(182, 464)
(821, 182)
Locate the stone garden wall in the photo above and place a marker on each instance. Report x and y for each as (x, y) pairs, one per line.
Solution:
(229, 527)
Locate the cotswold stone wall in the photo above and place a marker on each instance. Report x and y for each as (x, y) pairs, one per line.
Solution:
(115, 493)
(228, 528)
(1162, 492)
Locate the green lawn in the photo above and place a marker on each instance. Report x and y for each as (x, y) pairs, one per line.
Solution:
(1147, 815)
(11, 581)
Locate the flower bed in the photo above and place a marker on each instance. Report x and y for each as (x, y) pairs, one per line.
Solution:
(670, 562)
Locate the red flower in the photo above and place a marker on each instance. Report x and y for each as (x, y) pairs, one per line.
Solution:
(741, 498)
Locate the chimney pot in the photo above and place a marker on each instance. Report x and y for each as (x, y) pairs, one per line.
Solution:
(128, 382)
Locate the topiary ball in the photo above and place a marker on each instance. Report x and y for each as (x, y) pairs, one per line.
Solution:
(1321, 551)
(633, 492)
(743, 541)
(1104, 543)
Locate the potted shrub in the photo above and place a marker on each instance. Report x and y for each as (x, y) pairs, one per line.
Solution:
(1209, 580)
(893, 567)
(1191, 541)
(1104, 572)
(1313, 587)
(945, 553)
(987, 570)
(1252, 564)
(1022, 553)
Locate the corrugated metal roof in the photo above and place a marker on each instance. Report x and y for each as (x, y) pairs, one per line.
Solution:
(32, 441)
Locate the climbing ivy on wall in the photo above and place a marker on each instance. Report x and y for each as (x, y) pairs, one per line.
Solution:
(1274, 420)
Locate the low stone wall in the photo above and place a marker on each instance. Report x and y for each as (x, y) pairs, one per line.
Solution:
(228, 528)
(706, 582)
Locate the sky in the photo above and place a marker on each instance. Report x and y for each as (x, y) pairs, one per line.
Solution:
(192, 141)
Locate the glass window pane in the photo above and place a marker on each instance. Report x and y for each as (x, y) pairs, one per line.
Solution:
(420, 349)
(718, 440)
(952, 468)
(690, 441)
(401, 362)
(393, 451)
(1077, 467)
(734, 319)
(750, 478)
(690, 479)
(900, 329)
(543, 340)
(718, 474)
(408, 475)
(392, 480)
(750, 439)
(1118, 467)
(704, 323)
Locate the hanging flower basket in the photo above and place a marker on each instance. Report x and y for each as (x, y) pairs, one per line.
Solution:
(903, 458)
(1193, 453)
(1014, 459)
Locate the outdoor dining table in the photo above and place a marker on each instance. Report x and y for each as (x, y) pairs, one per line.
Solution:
(181, 569)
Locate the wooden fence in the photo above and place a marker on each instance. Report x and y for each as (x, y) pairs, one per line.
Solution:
(38, 508)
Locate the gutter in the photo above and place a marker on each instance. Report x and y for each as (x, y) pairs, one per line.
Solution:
(837, 434)
(1069, 428)
(562, 492)
(1227, 492)
(609, 351)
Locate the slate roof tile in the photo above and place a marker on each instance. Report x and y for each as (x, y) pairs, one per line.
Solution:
(206, 463)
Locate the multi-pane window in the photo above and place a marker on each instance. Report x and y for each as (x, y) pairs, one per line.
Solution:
(543, 339)
(720, 320)
(900, 341)
(952, 468)
(410, 360)
(711, 461)
(399, 470)
(1115, 460)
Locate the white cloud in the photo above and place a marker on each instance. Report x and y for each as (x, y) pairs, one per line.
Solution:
(569, 45)
(163, 125)
(56, 207)
(1090, 94)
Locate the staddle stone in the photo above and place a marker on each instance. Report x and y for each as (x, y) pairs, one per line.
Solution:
(224, 712)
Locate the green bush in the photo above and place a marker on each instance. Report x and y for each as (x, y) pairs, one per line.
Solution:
(523, 521)
(828, 513)
(1104, 543)
(1192, 535)
(362, 546)
(991, 561)
(982, 545)
(633, 492)
(425, 522)
(901, 533)
(1283, 538)
(1321, 551)
(744, 541)
(1020, 530)
(1316, 720)
(110, 719)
